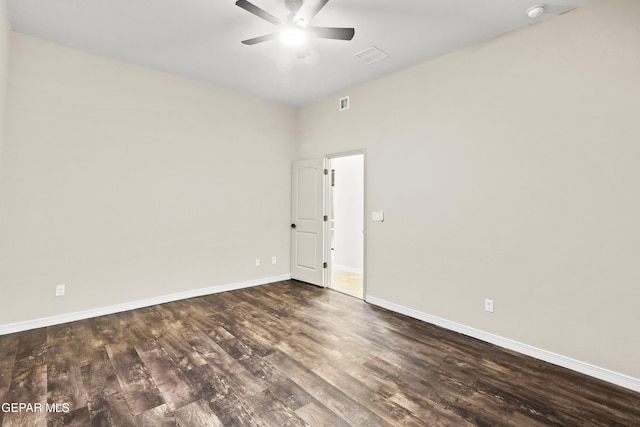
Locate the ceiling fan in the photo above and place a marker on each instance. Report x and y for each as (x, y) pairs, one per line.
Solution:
(295, 30)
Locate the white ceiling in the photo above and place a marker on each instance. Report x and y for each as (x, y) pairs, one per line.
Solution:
(200, 39)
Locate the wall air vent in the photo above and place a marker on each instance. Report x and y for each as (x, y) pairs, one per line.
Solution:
(371, 55)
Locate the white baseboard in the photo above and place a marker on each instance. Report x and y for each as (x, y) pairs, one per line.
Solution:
(557, 359)
(86, 314)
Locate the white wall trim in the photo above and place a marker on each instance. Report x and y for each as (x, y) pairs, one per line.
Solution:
(557, 359)
(86, 314)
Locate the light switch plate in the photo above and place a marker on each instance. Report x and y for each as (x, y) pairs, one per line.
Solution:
(488, 305)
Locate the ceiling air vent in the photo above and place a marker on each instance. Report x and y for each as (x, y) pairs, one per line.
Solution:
(371, 55)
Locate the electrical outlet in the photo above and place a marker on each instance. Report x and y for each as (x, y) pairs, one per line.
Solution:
(60, 290)
(257, 262)
(274, 260)
(488, 305)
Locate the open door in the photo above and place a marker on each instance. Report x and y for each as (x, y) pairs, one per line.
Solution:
(308, 221)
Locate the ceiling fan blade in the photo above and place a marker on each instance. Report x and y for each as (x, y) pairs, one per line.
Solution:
(314, 7)
(260, 13)
(331, 33)
(309, 9)
(260, 39)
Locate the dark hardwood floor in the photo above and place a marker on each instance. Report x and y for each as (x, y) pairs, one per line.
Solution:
(287, 354)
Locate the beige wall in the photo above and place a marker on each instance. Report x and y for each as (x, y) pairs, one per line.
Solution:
(5, 33)
(125, 183)
(509, 170)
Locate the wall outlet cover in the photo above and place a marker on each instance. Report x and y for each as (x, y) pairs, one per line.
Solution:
(60, 290)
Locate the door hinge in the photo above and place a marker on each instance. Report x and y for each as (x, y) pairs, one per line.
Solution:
(326, 171)
(324, 265)
(326, 218)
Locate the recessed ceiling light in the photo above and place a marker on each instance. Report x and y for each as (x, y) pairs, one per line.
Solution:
(535, 11)
(293, 36)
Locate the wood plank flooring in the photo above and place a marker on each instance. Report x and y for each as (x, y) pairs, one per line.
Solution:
(288, 354)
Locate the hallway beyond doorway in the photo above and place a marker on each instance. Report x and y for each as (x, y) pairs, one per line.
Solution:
(347, 283)
(346, 220)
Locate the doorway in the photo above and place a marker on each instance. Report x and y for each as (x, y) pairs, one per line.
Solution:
(346, 224)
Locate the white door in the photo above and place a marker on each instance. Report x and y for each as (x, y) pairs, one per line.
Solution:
(308, 221)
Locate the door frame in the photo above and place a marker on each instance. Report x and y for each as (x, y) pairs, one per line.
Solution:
(327, 230)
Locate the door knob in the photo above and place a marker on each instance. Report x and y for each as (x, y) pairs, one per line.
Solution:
(293, 226)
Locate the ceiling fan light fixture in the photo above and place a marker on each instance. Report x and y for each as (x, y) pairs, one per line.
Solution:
(293, 36)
